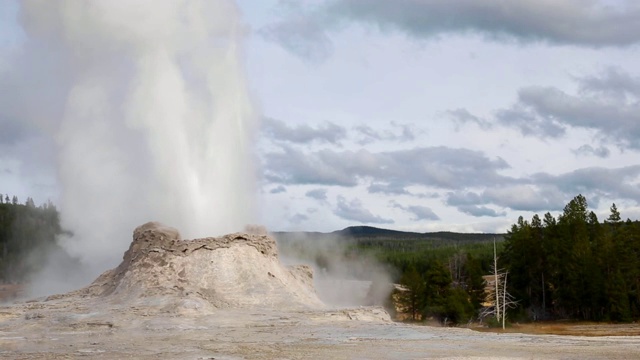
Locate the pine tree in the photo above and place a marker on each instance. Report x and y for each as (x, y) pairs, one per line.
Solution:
(411, 299)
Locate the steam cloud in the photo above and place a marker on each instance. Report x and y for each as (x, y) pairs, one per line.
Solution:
(342, 277)
(152, 120)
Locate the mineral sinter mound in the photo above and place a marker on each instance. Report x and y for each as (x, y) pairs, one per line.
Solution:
(238, 270)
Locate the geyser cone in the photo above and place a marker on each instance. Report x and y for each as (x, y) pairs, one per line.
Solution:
(233, 271)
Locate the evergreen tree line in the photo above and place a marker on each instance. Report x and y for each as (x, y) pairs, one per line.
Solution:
(574, 266)
(450, 293)
(444, 284)
(27, 232)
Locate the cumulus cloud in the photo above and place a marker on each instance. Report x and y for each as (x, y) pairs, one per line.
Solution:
(293, 166)
(304, 32)
(596, 181)
(521, 197)
(546, 192)
(522, 117)
(617, 121)
(530, 197)
(463, 198)
(468, 203)
(590, 23)
(438, 167)
(479, 211)
(588, 150)
(302, 134)
(297, 219)
(367, 134)
(388, 189)
(613, 82)
(278, 189)
(355, 211)
(607, 104)
(419, 212)
(462, 117)
(422, 212)
(318, 194)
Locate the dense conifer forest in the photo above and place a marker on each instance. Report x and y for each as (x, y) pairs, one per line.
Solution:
(575, 266)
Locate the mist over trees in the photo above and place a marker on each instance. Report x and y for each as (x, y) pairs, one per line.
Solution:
(27, 232)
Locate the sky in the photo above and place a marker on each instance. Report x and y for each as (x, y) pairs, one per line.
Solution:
(417, 115)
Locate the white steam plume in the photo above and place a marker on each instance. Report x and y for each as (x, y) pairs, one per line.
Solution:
(156, 121)
(343, 277)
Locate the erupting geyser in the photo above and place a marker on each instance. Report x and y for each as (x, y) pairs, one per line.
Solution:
(155, 118)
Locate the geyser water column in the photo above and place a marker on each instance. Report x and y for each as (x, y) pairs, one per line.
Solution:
(157, 123)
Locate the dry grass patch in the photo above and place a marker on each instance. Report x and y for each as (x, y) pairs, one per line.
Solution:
(569, 328)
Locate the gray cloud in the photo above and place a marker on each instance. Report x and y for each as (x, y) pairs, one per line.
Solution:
(515, 197)
(277, 190)
(318, 194)
(575, 22)
(293, 166)
(422, 213)
(531, 197)
(608, 104)
(595, 182)
(463, 116)
(564, 22)
(462, 199)
(438, 167)
(612, 81)
(553, 108)
(529, 123)
(479, 211)
(302, 134)
(588, 150)
(354, 210)
(419, 212)
(12, 132)
(298, 219)
(368, 135)
(304, 32)
(388, 189)
(545, 192)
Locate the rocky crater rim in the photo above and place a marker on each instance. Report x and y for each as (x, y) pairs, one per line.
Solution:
(154, 236)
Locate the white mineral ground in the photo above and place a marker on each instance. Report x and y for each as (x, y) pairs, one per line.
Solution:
(231, 298)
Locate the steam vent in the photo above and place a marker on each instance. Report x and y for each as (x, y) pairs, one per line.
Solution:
(233, 271)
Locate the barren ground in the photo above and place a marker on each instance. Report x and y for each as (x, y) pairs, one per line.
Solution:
(39, 330)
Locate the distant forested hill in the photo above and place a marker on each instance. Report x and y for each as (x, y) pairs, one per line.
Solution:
(386, 242)
(369, 233)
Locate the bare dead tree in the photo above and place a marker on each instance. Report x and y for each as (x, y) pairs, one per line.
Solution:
(500, 297)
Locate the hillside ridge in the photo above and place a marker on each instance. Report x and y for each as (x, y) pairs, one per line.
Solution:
(363, 231)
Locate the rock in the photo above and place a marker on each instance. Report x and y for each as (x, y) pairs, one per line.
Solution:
(235, 270)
